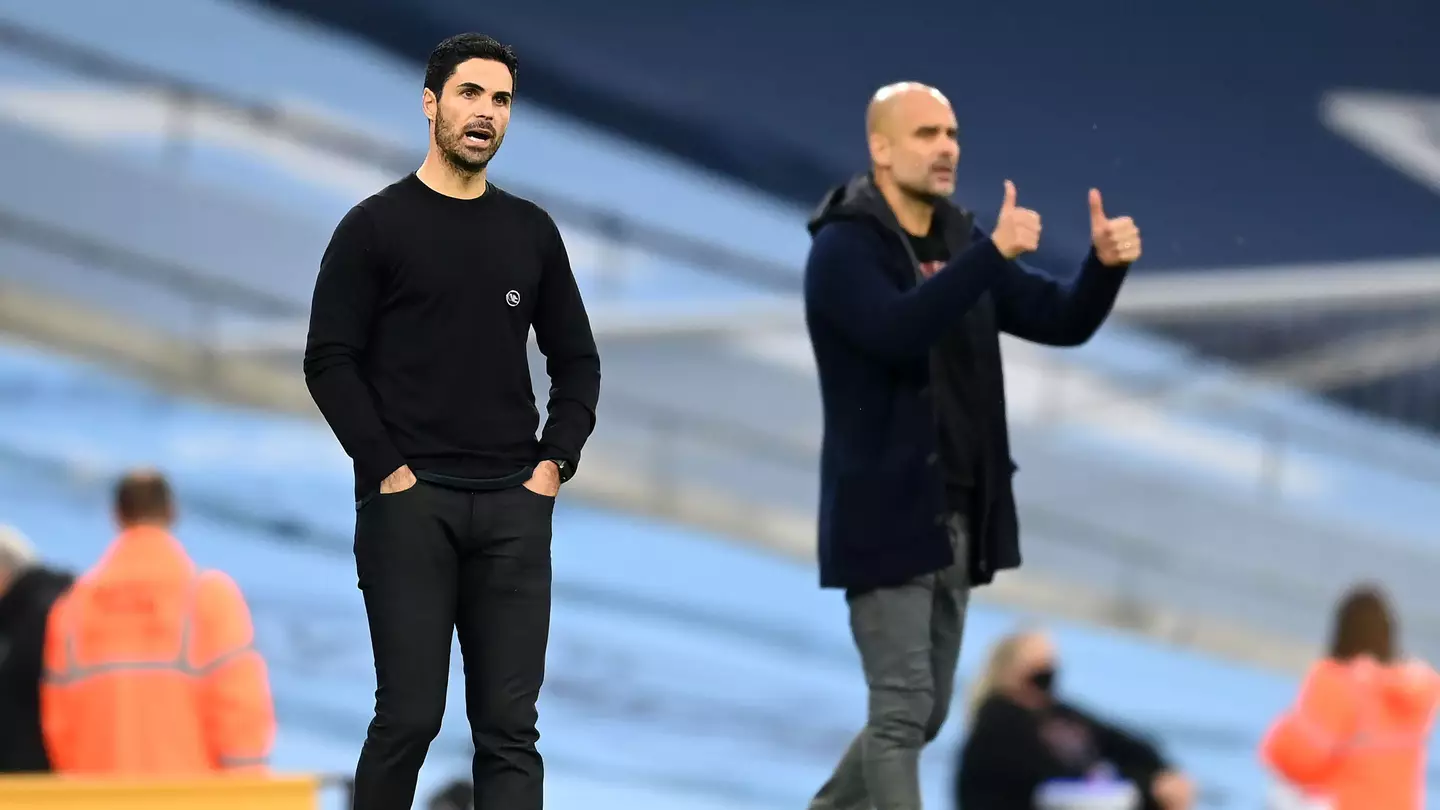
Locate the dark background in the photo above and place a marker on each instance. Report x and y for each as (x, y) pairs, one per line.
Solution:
(1203, 116)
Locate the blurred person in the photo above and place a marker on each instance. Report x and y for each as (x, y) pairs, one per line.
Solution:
(27, 592)
(905, 300)
(1356, 737)
(1021, 738)
(150, 663)
(417, 358)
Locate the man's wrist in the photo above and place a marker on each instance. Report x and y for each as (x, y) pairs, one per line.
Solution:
(564, 469)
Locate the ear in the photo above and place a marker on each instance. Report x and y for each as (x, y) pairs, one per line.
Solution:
(429, 103)
(879, 149)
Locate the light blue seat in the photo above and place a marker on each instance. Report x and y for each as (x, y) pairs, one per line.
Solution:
(544, 152)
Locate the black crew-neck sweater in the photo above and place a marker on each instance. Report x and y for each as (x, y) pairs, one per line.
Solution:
(417, 350)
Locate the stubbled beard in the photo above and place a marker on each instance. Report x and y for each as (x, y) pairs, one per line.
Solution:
(451, 140)
(920, 194)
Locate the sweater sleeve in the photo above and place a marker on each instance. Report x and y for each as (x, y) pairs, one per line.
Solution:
(846, 286)
(342, 311)
(563, 335)
(1306, 743)
(1034, 305)
(1130, 753)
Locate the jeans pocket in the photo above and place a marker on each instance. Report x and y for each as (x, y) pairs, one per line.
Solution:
(377, 495)
(530, 493)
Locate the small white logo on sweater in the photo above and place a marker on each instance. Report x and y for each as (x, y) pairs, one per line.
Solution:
(512, 298)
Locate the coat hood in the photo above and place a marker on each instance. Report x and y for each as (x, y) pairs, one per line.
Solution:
(1411, 688)
(861, 199)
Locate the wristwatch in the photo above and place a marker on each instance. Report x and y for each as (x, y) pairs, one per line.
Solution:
(566, 468)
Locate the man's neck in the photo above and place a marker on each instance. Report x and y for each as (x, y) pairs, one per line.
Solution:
(915, 215)
(440, 176)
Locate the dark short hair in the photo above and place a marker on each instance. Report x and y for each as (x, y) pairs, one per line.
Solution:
(143, 496)
(461, 48)
(1364, 625)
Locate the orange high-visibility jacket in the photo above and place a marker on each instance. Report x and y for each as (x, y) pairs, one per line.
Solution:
(1357, 734)
(150, 668)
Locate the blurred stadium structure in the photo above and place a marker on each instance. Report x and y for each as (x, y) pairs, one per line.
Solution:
(1255, 432)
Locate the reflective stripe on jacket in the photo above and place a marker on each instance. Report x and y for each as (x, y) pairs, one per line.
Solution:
(150, 668)
(1357, 735)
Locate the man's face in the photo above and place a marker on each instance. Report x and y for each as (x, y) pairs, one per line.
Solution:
(471, 115)
(919, 145)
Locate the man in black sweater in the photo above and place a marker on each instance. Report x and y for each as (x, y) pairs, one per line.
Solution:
(417, 358)
(905, 300)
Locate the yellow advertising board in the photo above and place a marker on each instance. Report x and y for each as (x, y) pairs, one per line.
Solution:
(213, 793)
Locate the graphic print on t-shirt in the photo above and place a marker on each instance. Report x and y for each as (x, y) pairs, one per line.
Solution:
(930, 252)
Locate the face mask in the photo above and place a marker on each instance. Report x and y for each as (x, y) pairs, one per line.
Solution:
(1043, 679)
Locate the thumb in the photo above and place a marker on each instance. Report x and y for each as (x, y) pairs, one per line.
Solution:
(1008, 203)
(1097, 209)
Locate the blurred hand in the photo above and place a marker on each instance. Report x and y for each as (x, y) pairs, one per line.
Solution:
(1117, 241)
(545, 480)
(1017, 230)
(1173, 791)
(398, 481)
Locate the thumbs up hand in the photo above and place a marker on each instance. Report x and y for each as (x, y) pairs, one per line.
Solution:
(1017, 230)
(1117, 241)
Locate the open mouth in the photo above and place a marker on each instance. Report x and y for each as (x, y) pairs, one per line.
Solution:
(479, 137)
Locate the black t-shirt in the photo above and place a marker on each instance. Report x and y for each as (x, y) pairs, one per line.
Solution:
(932, 253)
(417, 352)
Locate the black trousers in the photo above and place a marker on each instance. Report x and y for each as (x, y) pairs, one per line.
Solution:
(433, 560)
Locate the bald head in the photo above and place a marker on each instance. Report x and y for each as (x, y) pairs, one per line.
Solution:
(913, 139)
(895, 101)
(143, 497)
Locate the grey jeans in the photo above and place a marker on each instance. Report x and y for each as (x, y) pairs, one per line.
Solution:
(909, 642)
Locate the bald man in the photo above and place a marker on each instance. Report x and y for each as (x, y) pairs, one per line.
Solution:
(905, 300)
